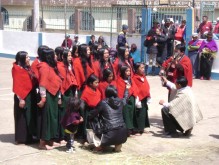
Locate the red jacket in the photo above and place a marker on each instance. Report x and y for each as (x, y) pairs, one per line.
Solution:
(68, 77)
(91, 97)
(102, 87)
(143, 86)
(216, 28)
(205, 27)
(117, 64)
(79, 72)
(187, 66)
(34, 67)
(98, 72)
(121, 86)
(48, 78)
(22, 83)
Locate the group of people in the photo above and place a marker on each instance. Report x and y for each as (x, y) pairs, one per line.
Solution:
(90, 92)
(64, 94)
(161, 41)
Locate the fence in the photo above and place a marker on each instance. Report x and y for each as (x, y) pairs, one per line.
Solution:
(52, 18)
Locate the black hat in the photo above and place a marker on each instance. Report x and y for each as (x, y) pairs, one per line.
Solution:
(167, 20)
(125, 27)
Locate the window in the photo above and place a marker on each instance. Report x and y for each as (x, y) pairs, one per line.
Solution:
(29, 23)
(87, 21)
(5, 16)
(72, 21)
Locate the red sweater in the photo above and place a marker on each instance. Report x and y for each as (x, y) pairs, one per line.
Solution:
(68, 77)
(22, 83)
(91, 97)
(48, 78)
(143, 86)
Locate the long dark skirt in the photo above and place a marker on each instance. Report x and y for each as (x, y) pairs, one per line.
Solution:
(62, 110)
(25, 123)
(114, 137)
(48, 119)
(194, 58)
(82, 133)
(141, 120)
(128, 113)
(206, 66)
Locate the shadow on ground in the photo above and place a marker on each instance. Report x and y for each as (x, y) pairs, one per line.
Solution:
(215, 136)
(7, 138)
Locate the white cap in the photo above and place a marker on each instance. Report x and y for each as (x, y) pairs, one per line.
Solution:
(194, 34)
(171, 20)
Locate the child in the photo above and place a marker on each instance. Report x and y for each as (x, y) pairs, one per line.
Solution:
(129, 108)
(108, 79)
(70, 121)
(91, 96)
(141, 114)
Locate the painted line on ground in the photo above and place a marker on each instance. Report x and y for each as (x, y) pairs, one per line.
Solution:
(1, 89)
(8, 94)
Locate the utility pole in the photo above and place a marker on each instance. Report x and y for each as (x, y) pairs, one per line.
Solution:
(91, 26)
(1, 17)
(42, 13)
(36, 17)
(65, 24)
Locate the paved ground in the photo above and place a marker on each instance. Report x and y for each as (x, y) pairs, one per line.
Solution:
(152, 148)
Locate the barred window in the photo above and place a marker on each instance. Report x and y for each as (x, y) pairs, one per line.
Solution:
(87, 21)
(5, 16)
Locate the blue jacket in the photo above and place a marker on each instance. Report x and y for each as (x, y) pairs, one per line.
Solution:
(121, 40)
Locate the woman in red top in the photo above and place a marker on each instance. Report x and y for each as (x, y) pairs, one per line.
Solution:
(24, 105)
(108, 79)
(103, 63)
(141, 114)
(82, 66)
(50, 84)
(91, 97)
(69, 84)
(58, 53)
(129, 108)
(124, 59)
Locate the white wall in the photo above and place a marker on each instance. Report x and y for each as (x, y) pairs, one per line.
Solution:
(215, 67)
(12, 42)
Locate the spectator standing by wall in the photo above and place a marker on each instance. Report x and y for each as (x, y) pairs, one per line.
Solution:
(67, 42)
(121, 40)
(193, 47)
(205, 26)
(216, 28)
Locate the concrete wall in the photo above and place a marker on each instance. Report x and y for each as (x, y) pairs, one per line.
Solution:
(12, 42)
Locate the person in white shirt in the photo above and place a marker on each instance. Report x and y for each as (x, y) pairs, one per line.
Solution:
(182, 112)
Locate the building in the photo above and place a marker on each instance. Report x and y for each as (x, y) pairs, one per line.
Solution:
(92, 15)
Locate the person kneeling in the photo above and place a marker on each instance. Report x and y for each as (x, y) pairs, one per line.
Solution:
(182, 113)
(110, 117)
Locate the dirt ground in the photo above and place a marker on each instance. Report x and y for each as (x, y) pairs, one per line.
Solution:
(151, 148)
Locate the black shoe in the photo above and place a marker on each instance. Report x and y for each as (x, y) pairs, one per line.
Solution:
(188, 132)
(172, 135)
